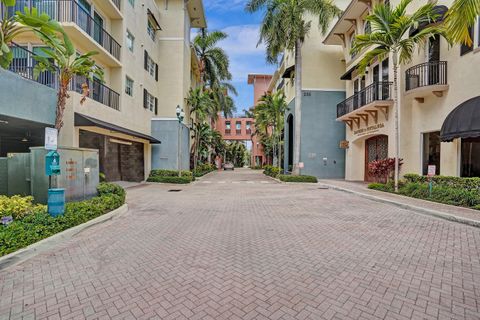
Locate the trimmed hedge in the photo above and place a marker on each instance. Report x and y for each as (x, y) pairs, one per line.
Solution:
(203, 169)
(40, 225)
(174, 180)
(454, 182)
(453, 192)
(290, 178)
(271, 171)
(169, 173)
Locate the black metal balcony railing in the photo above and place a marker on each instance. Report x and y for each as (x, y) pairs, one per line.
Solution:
(23, 64)
(426, 74)
(98, 91)
(117, 3)
(374, 92)
(69, 11)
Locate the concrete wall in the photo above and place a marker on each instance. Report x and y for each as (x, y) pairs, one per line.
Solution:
(164, 155)
(26, 99)
(320, 134)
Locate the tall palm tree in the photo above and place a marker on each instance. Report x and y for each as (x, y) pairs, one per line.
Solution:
(214, 62)
(270, 113)
(389, 37)
(60, 56)
(460, 18)
(284, 28)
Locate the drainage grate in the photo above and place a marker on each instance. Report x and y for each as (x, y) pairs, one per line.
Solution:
(174, 190)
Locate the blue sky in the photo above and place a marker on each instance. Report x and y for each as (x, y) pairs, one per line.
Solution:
(241, 45)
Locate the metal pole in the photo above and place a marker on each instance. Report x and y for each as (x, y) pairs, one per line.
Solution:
(179, 146)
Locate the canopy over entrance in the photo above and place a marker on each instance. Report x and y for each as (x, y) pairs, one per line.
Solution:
(463, 121)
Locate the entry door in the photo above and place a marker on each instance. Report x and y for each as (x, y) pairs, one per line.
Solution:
(433, 59)
(98, 28)
(376, 148)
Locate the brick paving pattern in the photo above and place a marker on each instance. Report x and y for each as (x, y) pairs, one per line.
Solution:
(252, 251)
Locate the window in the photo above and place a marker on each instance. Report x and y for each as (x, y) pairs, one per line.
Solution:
(149, 101)
(151, 29)
(132, 3)
(248, 126)
(352, 40)
(367, 27)
(431, 151)
(464, 49)
(238, 125)
(150, 66)
(470, 164)
(130, 41)
(128, 86)
(227, 125)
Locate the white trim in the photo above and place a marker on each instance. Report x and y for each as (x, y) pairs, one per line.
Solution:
(163, 119)
(323, 89)
(171, 39)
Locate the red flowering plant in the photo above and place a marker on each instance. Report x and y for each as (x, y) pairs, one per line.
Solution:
(383, 170)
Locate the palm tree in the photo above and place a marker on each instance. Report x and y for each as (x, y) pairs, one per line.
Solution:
(60, 56)
(389, 37)
(460, 18)
(284, 28)
(270, 114)
(214, 62)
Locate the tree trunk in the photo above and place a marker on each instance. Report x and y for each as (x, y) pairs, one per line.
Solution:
(62, 97)
(298, 107)
(396, 107)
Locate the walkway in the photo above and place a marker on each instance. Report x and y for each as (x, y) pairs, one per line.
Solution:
(251, 250)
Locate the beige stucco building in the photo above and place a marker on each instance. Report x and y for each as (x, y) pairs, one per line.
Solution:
(436, 82)
(145, 53)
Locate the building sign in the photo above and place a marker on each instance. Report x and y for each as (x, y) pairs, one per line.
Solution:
(51, 138)
(71, 170)
(431, 170)
(344, 144)
(369, 129)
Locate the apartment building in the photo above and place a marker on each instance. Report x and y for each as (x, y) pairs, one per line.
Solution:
(260, 83)
(439, 105)
(321, 91)
(144, 51)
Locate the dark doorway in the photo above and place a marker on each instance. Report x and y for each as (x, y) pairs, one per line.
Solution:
(120, 160)
(376, 148)
(470, 165)
(290, 142)
(431, 151)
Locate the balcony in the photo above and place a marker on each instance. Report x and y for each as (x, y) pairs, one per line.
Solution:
(228, 132)
(98, 92)
(78, 23)
(425, 79)
(111, 8)
(376, 96)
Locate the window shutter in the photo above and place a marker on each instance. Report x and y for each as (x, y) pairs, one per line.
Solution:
(145, 60)
(145, 102)
(156, 106)
(156, 72)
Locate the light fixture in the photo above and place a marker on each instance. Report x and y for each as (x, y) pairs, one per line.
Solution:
(127, 143)
(24, 139)
(4, 121)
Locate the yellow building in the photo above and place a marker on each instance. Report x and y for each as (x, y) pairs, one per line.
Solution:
(434, 105)
(144, 50)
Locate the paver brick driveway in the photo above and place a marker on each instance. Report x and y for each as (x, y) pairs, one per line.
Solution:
(237, 245)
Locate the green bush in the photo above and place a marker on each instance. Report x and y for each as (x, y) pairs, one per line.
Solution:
(256, 167)
(40, 225)
(169, 173)
(290, 178)
(271, 171)
(453, 182)
(378, 186)
(203, 169)
(167, 179)
(18, 206)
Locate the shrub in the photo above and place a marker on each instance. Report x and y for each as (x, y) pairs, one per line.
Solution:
(17, 206)
(378, 186)
(290, 178)
(382, 170)
(203, 169)
(167, 179)
(454, 182)
(271, 171)
(39, 224)
(169, 173)
(256, 167)
(102, 177)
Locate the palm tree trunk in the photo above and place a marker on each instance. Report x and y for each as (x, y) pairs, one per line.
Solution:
(298, 107)
(62, 97)
(396, 107)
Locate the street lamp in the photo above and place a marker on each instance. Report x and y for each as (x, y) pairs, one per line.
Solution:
(180, 117)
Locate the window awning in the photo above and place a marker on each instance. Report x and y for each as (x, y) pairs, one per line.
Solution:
(288, 72)
(463, 121)
(439, 10)
(86, 121)
(154, 20)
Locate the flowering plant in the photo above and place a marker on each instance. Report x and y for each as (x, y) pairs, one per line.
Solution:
(382, 170)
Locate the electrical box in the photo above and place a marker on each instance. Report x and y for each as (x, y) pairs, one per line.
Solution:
(52, 163)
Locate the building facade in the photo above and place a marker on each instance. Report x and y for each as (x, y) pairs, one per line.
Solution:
(439, 105)
(144, 51)
(322, 89)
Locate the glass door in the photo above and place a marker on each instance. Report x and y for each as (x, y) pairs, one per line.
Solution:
(98, 28)
(433, 59)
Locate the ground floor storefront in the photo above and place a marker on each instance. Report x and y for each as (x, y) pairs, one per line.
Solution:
(431, 134)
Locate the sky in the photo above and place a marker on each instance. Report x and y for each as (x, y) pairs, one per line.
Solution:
(241, 45)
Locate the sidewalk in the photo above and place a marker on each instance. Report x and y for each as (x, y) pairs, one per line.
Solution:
(453, 213)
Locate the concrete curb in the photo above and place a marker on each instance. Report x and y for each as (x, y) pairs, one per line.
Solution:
(36, 248)
(416, 209)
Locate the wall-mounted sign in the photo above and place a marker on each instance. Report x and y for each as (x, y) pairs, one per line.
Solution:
(51, 138)
(344, 144)
(369, 129)
(301, 165)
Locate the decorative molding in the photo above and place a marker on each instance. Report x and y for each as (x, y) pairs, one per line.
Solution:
(374, 114)
(420, 100)
(364, 117)
(349, 123)
(342, 37)
(384, 110)
(356, 120)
